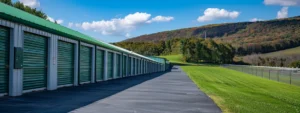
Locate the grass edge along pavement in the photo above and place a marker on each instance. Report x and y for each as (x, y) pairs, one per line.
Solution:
(238, 92)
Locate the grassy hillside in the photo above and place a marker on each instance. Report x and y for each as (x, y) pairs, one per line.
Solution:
(287, 52)
(173, 58)
(280, 58)
(237, 92)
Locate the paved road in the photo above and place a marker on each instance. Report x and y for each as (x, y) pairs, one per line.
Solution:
(170, 92)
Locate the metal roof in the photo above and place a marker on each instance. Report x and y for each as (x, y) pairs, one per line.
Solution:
(15, 15)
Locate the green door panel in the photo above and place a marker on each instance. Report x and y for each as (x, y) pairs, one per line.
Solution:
(100, 65)
(124, 65)
(35, 61)
(4, 59)
(110, 58)
(85, 64)
(118, 65)
(129, 66)
(134, 66)
(65, 63)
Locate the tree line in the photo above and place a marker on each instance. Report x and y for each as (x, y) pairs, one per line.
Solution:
(25, 8)
(200, 50)
(192, 49)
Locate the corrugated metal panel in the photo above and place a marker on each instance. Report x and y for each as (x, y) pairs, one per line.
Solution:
(118, 65)
(85, 64)
(35, 61)
(65, 63)
(110, 66)
(100, 65)
(129, 66)
(4, 59)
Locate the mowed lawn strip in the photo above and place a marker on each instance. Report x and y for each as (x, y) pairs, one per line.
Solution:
(238, 92)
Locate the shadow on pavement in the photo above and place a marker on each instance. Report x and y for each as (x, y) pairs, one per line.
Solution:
(67, 99)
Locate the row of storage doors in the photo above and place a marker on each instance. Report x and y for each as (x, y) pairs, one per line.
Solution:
(35, 55)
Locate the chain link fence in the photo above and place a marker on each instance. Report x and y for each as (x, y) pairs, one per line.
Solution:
(280, 74)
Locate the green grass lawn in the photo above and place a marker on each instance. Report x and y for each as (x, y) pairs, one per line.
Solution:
(238, 92)
(173, 58)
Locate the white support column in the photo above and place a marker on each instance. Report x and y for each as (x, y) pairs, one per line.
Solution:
(105, 65)
(76, 58)
(15, 75)
(93, 64)
(52, 63)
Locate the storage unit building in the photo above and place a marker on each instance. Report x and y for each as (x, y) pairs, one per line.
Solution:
(36, 54)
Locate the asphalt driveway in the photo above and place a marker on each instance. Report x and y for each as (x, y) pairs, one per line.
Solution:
(168, 92)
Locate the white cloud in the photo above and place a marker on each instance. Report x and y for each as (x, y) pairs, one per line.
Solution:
(255, 19)
(161, 19)
(31, 3)
(70, 24)
(283, 13)
(119, 26)
(216, 13)
(282, 2)
(127, 35)
(59, 21)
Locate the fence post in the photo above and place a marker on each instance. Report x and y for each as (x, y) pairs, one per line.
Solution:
(291, 76)
(262, 73)
(278, 75)
(269, 74)
(256, 71)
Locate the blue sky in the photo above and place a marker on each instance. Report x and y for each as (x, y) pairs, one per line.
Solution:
(117, 20)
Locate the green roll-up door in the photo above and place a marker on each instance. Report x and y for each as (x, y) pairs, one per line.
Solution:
(100, 65)
(124, 65)
(118, 65)
(133, 66)
(35, 61)
(65, 63)
(4, 59)
(129, 66)
(110, 66)
(85, 64)
(137, 66)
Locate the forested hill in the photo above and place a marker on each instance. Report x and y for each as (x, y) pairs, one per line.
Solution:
(267, 30)
(245, 37)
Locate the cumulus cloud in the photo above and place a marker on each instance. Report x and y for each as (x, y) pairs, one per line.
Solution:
(283, 13)
(161, 19)
(216, 13)
(59, 21)
(255, 19)
(282, 2)
(31, 3)
(70, 24)
(120, 26)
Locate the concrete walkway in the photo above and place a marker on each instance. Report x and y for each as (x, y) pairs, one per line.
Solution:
(170, 92)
